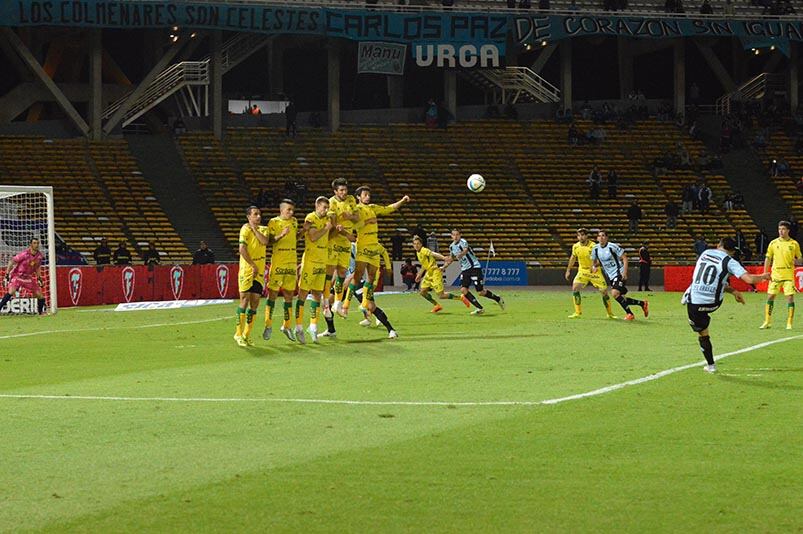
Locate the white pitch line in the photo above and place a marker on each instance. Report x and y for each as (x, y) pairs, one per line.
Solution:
(134, 327)
(587, 394)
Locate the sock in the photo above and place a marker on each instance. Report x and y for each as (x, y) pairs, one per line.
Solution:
(249, 322)
(606, 301)
(330, 324)
(287, 307)
(428, 297)
(327, 287)
(790, 312)
(472, 299)
(339, 287)
(42, 303)
(368, 288)
(623, 303)
(6, 298)
(383, 318)
(489, 295)
(269, 313)
(313, 314)
(768, 311)
(240, 321)
(300, 312)
(349, 294)
(634, 301)
(578, 308)
(707, 349)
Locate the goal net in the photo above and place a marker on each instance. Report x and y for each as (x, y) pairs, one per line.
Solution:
(27, 213)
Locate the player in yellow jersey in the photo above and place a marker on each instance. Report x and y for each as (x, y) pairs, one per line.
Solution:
(283, 234)
(782, 253)
(251, 274)
(342, 207)
(430, 275)
(313, 266)
(581, 254)
(361, 295)
(367, 258)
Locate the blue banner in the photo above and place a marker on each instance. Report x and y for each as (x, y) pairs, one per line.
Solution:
(423, 28)
(503, 273)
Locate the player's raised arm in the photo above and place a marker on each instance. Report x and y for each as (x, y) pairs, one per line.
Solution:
(390, 208)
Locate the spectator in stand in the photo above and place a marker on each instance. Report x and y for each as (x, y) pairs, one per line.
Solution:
(738, 200)
(671, 210)
(596, 135)
(255, 111)
(594, 181)
(290, 116)
(151, 256)
(794, 226)
(634, 215)
(122, 256)
(780, 167)
(761, 241)
(644, 264)
(700, 245)
(727, 203)
(613, 183)
(431, 114)
(203, 255)
(683, 156)
(573, 135)
(408, 273)
(102, 253)
(704, 198)
(799, 185)
(706, 8)
(687, 199)
(396, 246)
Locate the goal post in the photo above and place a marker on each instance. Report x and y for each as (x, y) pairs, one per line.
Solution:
(27, 212)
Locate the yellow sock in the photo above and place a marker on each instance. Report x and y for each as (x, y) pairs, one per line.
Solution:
(269, 313)
(768, 311)
(327, 288)
(313, 313)
(578, 308)
(240, 321)
(300, 312)
(249, 322)
(790, 313)
(287, 307)
(349, 295)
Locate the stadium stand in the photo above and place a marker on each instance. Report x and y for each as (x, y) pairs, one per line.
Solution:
(783, 147)
(97, 191)
(537, 192)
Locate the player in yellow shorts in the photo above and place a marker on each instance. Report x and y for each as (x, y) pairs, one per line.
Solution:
(313, 267)
(431, 276)
(283, 234)
(581, 254)
(342, 207)
(251, 274)
(783, 254)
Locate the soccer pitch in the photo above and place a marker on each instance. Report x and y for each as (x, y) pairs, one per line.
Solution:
(178, 429)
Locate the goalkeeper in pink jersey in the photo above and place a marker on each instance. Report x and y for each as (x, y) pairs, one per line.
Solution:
(24, 271)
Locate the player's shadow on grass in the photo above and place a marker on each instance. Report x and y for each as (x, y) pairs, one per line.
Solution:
(748, 381)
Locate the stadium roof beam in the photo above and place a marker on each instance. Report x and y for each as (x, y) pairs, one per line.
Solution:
(333, 83)
(794, 75)
(716, 66)
(26, 55)
(118, 115)
(541, 61)
(96, 84)
(679, 67)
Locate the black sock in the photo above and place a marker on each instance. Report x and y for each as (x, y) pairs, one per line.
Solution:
(633, 301)
(42, 303)
(6, 298)
(472, 299)
(708, 350)
(330, 324)
(489, 295)
(624, 304)
(379, 314)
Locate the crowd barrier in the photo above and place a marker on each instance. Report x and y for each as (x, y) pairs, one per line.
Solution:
(113, 284)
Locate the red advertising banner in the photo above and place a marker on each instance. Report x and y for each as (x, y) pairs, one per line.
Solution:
(678, 278)
(112, 284)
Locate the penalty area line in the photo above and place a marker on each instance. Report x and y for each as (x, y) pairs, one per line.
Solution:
(558, 400)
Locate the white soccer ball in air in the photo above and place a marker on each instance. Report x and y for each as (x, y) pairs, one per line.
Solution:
(475, 183)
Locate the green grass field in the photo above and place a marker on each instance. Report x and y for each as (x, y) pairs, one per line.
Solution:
(689, 451)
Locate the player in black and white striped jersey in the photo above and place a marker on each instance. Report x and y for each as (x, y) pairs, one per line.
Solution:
(708, 287)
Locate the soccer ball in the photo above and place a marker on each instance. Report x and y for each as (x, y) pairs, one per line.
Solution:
(475, 183)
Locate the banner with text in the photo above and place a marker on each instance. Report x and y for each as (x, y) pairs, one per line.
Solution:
(502, 273)
(381, 58)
